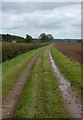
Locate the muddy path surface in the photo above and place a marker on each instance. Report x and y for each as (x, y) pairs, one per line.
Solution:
(9, 104)
(71, 101)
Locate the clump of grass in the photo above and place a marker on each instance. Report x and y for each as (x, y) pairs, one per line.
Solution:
(69, 68)
(40, 97)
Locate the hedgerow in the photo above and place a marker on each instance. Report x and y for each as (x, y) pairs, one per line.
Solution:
(11, 50)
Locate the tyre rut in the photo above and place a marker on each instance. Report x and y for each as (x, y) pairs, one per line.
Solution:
(9, 104)
(72, 102)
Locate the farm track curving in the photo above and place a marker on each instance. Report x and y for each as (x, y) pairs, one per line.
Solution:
(72, 103)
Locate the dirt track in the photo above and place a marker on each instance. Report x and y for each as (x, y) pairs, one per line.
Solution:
(9, 104)
(71, 49)
(72, 102)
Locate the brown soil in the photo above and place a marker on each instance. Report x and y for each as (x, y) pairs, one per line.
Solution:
(9, 104)
(71, 49)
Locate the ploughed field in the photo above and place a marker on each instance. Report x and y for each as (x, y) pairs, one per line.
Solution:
(71, 49)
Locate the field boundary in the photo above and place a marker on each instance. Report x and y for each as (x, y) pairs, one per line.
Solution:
(70, 49)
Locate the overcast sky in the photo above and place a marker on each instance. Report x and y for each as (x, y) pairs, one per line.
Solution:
(61, 19)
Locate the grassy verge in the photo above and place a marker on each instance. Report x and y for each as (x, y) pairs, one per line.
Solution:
(69, 68)
(12, 69)
(40, 97)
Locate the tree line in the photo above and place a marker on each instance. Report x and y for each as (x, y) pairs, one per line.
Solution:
(42, 38)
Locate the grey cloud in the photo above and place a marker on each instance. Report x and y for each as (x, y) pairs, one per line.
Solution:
(60, 19)
(18, 7)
